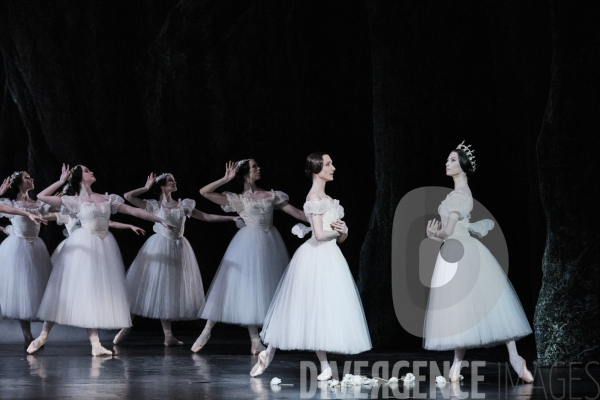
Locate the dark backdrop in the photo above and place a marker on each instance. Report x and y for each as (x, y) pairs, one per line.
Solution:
(387, 87)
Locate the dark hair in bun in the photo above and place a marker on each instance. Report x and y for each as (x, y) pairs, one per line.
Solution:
(314, 163)
(465, 163)
(73, 185)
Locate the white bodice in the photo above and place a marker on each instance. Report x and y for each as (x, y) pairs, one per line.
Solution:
(175, 216)
(93, 217)
(22, 226)
(461, 202)
(328, 207)
(257, 214)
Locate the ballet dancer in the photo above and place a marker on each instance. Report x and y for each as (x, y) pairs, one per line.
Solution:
(317, 306)
(25, 263)
(471, 302)
(254, 260)
(164, 280)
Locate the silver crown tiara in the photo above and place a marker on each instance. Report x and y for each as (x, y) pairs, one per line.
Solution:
(468, 152)
(240, 163)
(162, 176)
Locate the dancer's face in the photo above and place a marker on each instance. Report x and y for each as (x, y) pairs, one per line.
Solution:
(327, 171)
(87, 176)
(26, 182)
(170, 185)
(254, 172)
(452, 165)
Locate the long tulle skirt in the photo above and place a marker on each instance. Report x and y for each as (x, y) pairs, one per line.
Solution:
(471, 302)
(24, 271)
(317, 305)
(164, 280)
(247, 278)
(87, 284)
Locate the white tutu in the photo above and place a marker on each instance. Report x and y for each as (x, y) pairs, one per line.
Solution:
(164, 280)
(247, 278)
(24, 271)
(317, 305)
(471, 301)
(24, 264)
(87, 285)
(252, 266)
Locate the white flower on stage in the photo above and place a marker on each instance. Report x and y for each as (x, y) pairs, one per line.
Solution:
(333, 383)
(409, 378)
(275, 381)
(440, 380)
(392, 380)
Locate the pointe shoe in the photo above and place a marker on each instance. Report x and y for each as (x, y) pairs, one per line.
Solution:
(325, 375)
(257, 346)
(454, 377)
(37, 344)
(119, 337)
(261, 365)
(98, 350)
(171, 341)
(196, 347)
(525, 373)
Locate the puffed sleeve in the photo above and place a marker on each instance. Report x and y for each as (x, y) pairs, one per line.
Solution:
(280, 199)
(46, 209)
(70, 205)
(9, 203)
(235, 202)
(152, 206)
(61, 219)
(188, 206)
(316, 207)
(115, 202)
(459, 202)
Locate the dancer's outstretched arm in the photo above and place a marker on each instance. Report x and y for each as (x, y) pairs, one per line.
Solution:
(139, 213)
(133, 196)
(208, 191)
(293, 211)
(119, 225)
(4, 209)
(46, 194)
(202, 216)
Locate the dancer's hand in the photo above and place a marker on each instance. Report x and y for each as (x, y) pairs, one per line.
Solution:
(433, 227)
(58, 194)
(37, 219)
(150, 181)
(5, 185)
(137, 230)
(3, 230)
(170, 227)
(65, 173)
(339, 226)
(230, 171)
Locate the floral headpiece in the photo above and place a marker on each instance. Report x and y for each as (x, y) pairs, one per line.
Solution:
(468, 152)
(240, 163)
(162, 176)
(15, 175)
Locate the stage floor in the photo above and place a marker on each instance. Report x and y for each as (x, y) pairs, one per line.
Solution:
(143, 369)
